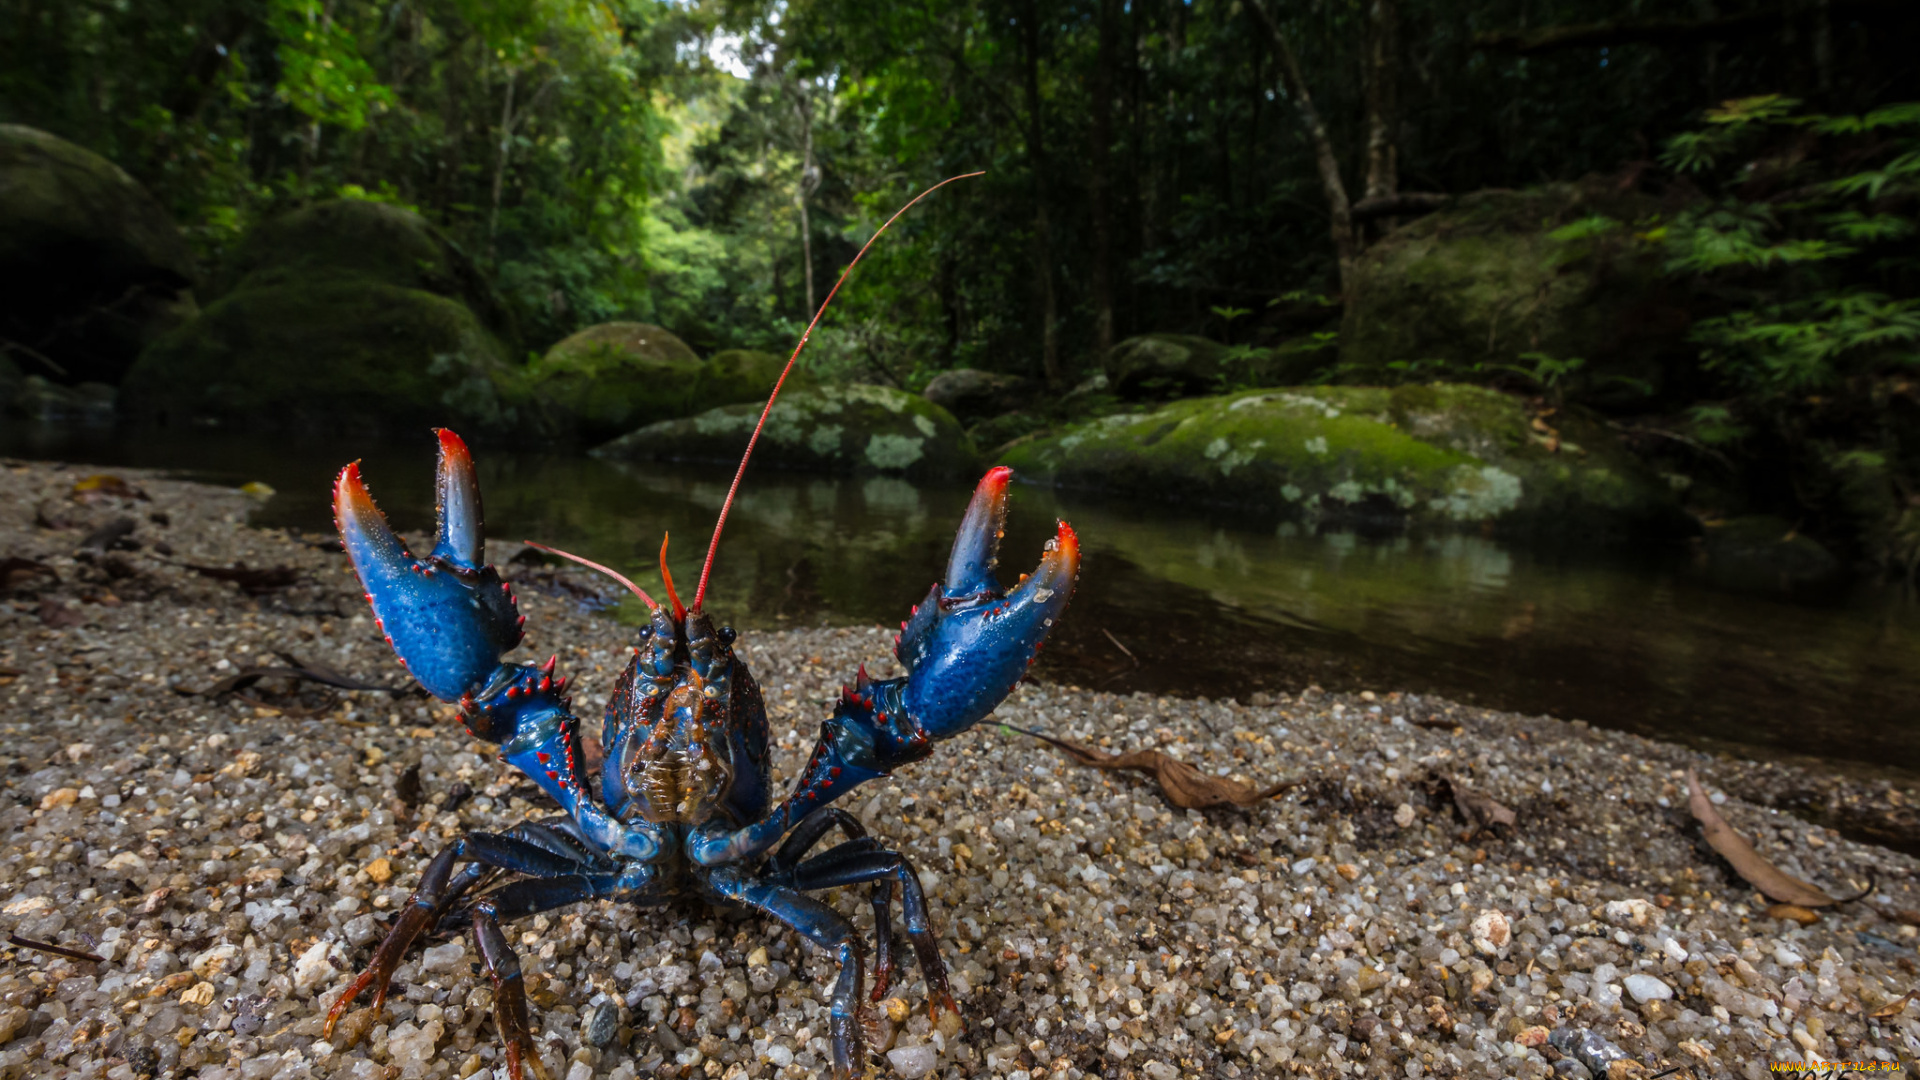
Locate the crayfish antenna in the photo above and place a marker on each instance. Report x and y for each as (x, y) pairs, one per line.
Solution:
(607, 570)
(713, 545)
(666, 575)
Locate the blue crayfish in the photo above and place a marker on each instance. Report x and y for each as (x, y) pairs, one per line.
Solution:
(684, 806)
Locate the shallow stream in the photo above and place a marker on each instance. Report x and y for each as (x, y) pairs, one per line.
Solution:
(1178, 601)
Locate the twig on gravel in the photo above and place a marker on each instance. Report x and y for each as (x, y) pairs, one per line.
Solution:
(56, 950)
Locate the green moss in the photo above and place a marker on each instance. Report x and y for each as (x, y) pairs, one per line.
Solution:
(1442, 455)
(844, 429)
(358, 353)
(352, 239)
(610, 379)
(735, 375)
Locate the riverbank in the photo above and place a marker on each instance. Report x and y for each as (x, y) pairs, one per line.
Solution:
(233, 860)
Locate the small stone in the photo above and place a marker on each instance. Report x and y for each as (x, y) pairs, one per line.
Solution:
(1533, 1036)
(1370, 979)
(782, 1056)
(1403, 815)
(1160, 1070)
(380, 870)
(911, 1062)
(603, 1022)
(199, 994)
(445, 957)
(580, 1070)
(897, 1010)
(411, 1048)
(757, 958)
(1645, 988)
(1490, 931)
(1347, 870)
(1637, 914)
(316, 966)
(59, 797)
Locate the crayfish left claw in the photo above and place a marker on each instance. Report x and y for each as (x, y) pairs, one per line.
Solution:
(448, 617)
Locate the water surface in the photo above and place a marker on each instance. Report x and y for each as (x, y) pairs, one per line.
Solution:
(1178, 601)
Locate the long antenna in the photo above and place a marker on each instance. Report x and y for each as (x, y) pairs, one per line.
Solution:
(714, 545)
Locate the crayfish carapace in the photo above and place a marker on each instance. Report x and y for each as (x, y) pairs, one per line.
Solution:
(683, 807)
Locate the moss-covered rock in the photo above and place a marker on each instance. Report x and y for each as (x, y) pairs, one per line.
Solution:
(1762, 553)
(609, 379)
(1551, 270)
(92, 268)
(972, 395)
(735, 375)
(838, 429)
(1438, 455)
(346, 354)
(357, 240)
(348, 314)
(1159, 366)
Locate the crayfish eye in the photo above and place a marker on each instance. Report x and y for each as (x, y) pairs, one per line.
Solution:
(645, 632)
(710, 690)
(726, 635)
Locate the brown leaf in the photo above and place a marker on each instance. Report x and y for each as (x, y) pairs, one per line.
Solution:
(1803, 916)
(1183, 785)
(58, 615)
(1894, 1007)
(1907, 916)
(1761, 874)
(1481, 811)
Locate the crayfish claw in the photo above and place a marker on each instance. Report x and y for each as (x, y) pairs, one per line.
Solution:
(976, 545)
(457, 502)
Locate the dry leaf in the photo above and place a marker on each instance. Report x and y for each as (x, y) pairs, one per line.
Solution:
(1183, 785)
(1761, 874)
(1481, 811)
(1803, 916)
(1894, 1007)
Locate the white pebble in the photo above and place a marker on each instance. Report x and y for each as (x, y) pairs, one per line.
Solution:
(442, 957)
(1301, 866)
(1645, 988)
(1786, 957)
(911, 1062)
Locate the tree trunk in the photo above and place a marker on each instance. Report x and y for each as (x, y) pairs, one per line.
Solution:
(809, 177)
(1042, 229)
(1383, 47)
(1099, 182)
(500, 166)
(1339, 210)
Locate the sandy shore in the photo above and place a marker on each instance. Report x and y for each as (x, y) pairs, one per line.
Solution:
(233, 860)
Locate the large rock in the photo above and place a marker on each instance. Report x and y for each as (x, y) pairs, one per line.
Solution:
(377, 334)
(1761, 553)
(92, 268)
(609, 379)
(838, 429)
(735, 375)
(357, 240)
(1488, 280)
(1441, 456)
(972, 395)
(1160, 366)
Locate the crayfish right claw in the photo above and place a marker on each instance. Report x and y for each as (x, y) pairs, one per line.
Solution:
(448, 616)
(968, 643)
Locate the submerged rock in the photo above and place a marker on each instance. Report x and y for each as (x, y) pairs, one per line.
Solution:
(347, 314)
(92, 267)
(1762, 553)
(843, 429)
(1438, 455)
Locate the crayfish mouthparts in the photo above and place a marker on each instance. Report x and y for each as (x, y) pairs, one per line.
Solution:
(683, 806)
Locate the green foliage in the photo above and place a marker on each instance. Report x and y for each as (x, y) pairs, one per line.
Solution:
(1811, 252)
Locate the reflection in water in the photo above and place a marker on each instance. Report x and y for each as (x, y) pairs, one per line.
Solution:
(1213, 607)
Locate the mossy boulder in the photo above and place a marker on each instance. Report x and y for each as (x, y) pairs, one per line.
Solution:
(609, 379)
(1160, 366)
(347, 315)
(1440, 456)
(1762, 553)
(972, 395)
(735, 375)
(835, 429)
(92, 267)
(357, 240)
(1553, 270)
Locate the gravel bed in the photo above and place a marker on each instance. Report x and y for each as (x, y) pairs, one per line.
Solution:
(234, 860)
